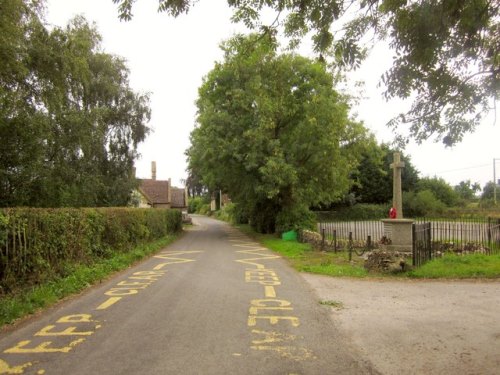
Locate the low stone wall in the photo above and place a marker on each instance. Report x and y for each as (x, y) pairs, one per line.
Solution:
(386, 261)
(314, 238)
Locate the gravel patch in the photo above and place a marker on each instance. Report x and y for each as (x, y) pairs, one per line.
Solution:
(417, 326)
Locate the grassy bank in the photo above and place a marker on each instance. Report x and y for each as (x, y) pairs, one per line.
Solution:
(27, 301)
(460, 267)
(305, 259)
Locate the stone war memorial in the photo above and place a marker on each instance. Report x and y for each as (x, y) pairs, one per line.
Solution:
(398, 230)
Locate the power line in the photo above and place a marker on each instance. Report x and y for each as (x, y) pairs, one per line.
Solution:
(463, 169)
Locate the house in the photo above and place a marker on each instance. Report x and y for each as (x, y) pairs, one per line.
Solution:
(159, 193)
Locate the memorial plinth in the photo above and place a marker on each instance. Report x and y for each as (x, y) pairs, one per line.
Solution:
(399, 232)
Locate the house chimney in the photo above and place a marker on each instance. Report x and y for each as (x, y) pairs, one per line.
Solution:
(153, 170)
(169, 194)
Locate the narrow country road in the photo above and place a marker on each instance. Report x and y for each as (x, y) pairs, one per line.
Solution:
(214, 302)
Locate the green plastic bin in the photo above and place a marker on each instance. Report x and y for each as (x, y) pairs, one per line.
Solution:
(289, 236)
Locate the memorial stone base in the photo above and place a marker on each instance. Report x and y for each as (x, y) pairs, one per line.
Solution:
(399, 232)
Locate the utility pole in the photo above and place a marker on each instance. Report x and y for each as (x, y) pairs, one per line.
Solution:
(494, 182)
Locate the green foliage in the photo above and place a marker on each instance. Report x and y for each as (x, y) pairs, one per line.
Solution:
(39, 244)
(489, 192)
(232, 213)
(295, 218)
(77, 279)
(422, 203)
(446, 52)
(267, 125)
(467, 190)
(373, 177)
(361, 211)
(304, 259)
(440, 189)
(463, 266)
(69, 121)
(195, 204)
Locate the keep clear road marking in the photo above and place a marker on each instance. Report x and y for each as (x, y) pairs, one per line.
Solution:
(141, 280)
(82, 326)
(265, 316)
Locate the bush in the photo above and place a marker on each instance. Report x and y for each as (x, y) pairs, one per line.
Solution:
(295, 218)
(232, 213)
(423, 203)
(38, 244)
(195, 204)
(361, 211)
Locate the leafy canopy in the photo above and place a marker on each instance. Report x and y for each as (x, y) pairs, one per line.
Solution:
(273, 133)
(446, 52)
(69, 122)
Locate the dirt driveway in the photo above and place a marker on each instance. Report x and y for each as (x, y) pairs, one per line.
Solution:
(418, 327)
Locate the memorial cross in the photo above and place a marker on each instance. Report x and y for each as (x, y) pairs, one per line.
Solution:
(397, 198)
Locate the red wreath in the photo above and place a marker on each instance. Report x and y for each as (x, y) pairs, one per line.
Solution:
(392, 213)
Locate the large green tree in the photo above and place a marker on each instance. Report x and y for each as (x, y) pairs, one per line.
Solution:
(446, 51)
(273, 133)
(69, 122)
(373, 177)
(440, 188)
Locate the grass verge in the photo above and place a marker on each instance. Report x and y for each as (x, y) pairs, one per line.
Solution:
(305, 259)
(26, 302)
(460, 267)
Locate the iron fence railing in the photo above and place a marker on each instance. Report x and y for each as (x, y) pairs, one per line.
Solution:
(360, 229)
(465, 235)
(458, 235)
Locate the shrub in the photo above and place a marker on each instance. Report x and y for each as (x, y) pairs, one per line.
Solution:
(295, 218)
(423, 203)
(232, 213)
(361, 211)
(195, 204)
(37, 244)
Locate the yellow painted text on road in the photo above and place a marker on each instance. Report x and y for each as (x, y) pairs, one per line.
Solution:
(44, 347)
(70, 331)
(109, 302)
(5, 368)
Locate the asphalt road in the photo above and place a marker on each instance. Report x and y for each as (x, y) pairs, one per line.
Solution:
(214, 302)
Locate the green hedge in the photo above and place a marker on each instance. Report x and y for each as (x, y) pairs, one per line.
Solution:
(39, 244)
(361, 211)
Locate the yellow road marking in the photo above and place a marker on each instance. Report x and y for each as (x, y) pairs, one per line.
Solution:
(77, 318)
(110, 301)
(273, 319)
(44, 347)
(269, 291)
(70, 331)
(5, 368)
(252, 247)
(160, 266)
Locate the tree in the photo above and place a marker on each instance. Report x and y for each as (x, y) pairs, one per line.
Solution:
(446, 51)
(422, 203)
(69, 122)
(373, 177)
(489, 191)
(440, 189)
(273, 133)
(467, 190)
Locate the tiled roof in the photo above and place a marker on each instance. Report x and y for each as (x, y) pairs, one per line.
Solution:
(178, 197)
(156, 191)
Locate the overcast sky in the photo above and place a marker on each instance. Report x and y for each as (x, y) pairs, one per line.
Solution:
(168, 57)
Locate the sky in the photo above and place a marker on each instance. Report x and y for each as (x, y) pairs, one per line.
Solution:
(168, 57)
